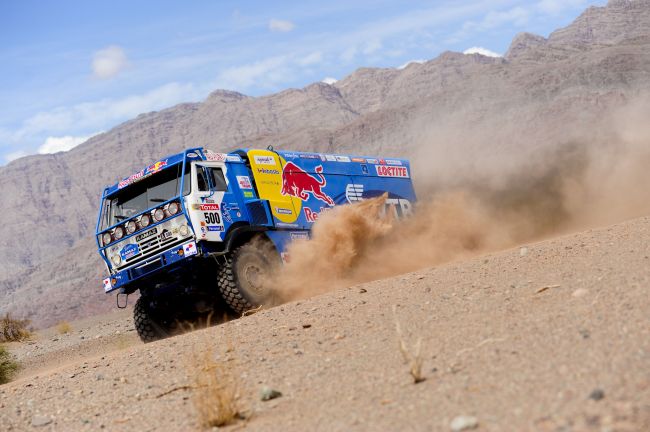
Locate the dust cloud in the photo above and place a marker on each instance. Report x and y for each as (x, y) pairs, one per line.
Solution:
(480, 202)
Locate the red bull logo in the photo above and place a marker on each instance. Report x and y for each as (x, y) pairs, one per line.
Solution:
(156, 167)
(298, 183)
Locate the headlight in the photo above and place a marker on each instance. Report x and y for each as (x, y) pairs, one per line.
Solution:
(183, 230)
(158, 215)
(130, 227)
(145, 220)
(118, 233)
(106, 238)
(173, 208)
(116, 260)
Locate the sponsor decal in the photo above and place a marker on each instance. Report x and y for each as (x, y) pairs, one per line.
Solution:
(209, 207)
(202, 223)
(392, 171)
(281, 210)
(244, 182)
(215, 157)
(372, 161)
(382, 161)
(146, 234)
(215, 228)
(152, 169)
(311, 215)
(299, 235)
(107, 285)
(330, 158)
(364, 169)
(129, 251)
(268, 171)
(264, 160)
(189, 249)
(165, 235)
(290, 155)
(248, 194)
(233, 158)
(133, 178)
(310, 156)
(205, 200)
(192, 155)
(360, 160)
(393, 162)
(354, 192)
(342, 159)
(297, 183)
(287, 225)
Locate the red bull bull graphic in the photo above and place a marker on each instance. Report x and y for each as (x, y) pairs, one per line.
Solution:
(298, 183)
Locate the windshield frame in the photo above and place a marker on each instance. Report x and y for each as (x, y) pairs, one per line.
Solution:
(107, 201)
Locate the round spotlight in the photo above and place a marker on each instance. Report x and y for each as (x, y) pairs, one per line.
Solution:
(116, 260)
(106, 238)
(145, 220)
(118, 233)
(184, 231)
(159, 214)
(130, 227)
(173, 208)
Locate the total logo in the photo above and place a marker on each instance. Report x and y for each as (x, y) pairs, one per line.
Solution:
(298, 183)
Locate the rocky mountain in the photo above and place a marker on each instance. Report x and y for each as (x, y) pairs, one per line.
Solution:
(455, 114)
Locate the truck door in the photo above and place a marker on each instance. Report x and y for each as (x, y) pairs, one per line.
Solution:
(267, 168)
(209, 183)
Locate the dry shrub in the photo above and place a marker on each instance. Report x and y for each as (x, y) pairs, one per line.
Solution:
(8, 366)
(14, 330)
(215, 389)
(63, 327)
(412, 356)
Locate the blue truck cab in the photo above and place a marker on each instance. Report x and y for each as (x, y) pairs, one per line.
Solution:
(193, 232)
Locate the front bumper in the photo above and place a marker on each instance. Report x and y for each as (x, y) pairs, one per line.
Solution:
(151, 265)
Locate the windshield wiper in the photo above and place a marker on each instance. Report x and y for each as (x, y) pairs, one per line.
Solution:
(120, 218)
(157, 200)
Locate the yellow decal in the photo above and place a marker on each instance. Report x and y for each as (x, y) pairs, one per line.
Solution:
(267, 169)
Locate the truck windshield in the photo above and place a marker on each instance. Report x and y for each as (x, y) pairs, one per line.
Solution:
(142, 195)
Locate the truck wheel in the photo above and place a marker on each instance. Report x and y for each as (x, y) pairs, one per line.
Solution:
(243, 278)
(148, 328)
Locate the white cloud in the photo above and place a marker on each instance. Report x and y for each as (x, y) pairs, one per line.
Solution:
(283, 26)
(63, 143)
(482, 51)
(266, 73)
(109, 62)
(101, 114)
(329, 80)
(405, 65)
(555, 7)
(15, 155)
(311, 59)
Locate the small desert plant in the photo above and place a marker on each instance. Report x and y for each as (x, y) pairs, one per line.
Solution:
(63, 327)
(8, 367)
(215, 389)
(14, 330)
(413, 357)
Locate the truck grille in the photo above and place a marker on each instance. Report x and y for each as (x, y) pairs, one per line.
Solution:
(151, 247)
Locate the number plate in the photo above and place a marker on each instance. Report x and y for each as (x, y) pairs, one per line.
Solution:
(144, 235)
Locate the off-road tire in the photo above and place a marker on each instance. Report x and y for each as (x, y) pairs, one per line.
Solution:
(234, 289)
(145, 324)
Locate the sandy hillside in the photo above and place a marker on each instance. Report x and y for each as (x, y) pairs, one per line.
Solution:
(551, 336)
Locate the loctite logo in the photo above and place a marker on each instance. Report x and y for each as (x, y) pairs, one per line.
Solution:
(392, 171)
(209, 207)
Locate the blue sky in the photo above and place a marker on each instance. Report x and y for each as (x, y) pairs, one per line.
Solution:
(71, 69)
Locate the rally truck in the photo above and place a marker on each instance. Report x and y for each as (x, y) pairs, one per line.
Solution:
(197, 232)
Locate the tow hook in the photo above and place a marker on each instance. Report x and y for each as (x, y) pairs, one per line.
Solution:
(126, 300)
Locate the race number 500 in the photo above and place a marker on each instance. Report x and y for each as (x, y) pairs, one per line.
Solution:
(212, 218)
